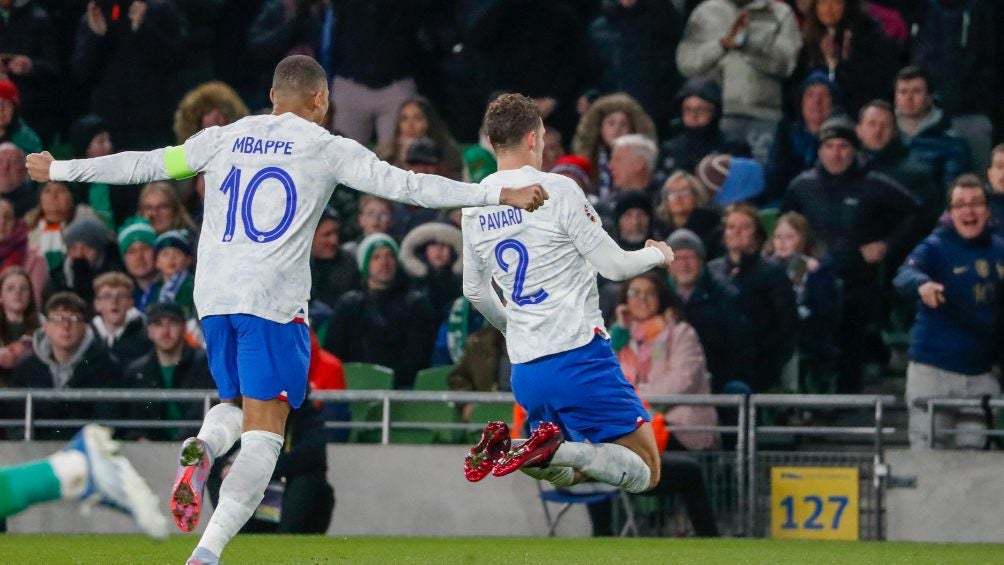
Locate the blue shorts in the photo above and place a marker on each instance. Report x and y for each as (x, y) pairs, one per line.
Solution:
(583, 391)
(258, 358)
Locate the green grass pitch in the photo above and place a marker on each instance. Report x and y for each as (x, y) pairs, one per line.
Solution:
(106, 549)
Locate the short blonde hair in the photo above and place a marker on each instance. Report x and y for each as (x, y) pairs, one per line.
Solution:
(113, 279)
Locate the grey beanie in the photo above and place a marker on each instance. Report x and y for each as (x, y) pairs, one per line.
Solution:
(89, 231)
(686, 239)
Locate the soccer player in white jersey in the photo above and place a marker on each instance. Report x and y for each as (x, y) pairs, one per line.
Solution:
(564, 372)
(268, 179)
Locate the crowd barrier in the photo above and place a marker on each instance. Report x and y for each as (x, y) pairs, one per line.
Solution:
(739, 477)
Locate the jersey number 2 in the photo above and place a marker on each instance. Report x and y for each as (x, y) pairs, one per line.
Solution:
(521, 264)
(231, 186)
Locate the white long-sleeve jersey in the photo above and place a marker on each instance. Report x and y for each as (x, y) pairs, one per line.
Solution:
(267, 181)
(545, 263)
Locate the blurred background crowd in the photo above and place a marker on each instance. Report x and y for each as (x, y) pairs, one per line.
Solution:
(796, 155)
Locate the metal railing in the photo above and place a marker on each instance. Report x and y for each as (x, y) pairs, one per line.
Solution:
(932, 405)
(875, 403)
(747, 430)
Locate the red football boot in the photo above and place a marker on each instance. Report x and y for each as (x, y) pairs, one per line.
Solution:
(494, 443)
(535, 452)
(189, 483)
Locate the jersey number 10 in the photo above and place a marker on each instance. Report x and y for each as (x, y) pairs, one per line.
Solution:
(523, 260)
(232, 185)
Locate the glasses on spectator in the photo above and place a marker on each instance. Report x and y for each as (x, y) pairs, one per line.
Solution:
(971, 205)
(68, 320)
(679, 193)
(635, 293)
(114, 296)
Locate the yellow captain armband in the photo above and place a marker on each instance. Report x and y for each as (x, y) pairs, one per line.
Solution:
(176, 164)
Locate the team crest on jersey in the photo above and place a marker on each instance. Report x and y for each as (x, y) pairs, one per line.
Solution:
(589, 213)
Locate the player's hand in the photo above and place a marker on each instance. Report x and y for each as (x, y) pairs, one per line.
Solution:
(932, 294)
(667, 251)
(528, 198)
(38, 166)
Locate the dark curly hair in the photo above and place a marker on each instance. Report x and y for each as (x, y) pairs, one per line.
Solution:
(508, 118)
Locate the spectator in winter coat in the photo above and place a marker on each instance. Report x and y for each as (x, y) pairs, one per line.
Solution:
(384, 322)
(431, 256)
(699, 134)
(958, 275)
(925, 128)
(958, 43)
(28, 42)
(765, 293)
(130, 54)
(634, 43)
(118, 324)
(171, 365)
(841, 39)
(796, 143)
(862, 219)
(712, 308)
(67, 356)
(661, 354)
(883, 151)
(750, 47)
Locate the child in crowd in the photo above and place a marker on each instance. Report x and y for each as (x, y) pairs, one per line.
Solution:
(174, 263)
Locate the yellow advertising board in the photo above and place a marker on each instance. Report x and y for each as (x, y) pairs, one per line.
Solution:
(814, 503)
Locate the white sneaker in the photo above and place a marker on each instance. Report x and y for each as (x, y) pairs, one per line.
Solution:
(112, 481)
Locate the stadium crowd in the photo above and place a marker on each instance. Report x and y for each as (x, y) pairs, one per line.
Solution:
(793, 154)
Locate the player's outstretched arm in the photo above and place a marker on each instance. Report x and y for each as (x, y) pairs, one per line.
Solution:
(129, 167)
(617, 265)
(355, 166)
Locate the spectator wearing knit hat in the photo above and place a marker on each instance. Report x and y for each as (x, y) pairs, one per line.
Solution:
(384, 322)
(731, 179)
(12, 127)
(712, 308)
(697, 132)
(797, 140)
(862, 219)
(89, 253)
(136, 239)
(175, 282)
(632, 220)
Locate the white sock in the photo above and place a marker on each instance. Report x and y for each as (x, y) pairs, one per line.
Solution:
(70, 467)
(243, 488)
(609, 463)
(220, 428)
(557, 476)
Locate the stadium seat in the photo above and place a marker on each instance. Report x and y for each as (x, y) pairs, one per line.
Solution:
(367, 376)
(584, 493)
(422, 412)
(481, 414)
(433, 378)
